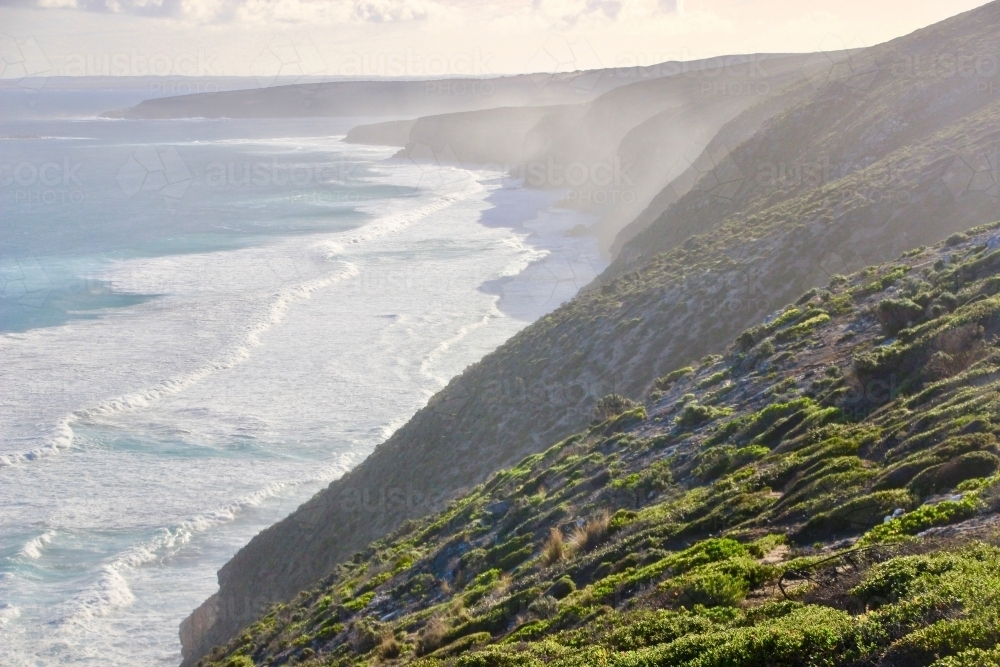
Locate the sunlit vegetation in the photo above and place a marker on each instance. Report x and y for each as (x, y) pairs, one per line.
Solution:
(810, 498)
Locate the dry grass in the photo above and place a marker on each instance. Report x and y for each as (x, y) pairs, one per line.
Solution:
(590, 534)
(555, 548)
(432, 635)
(389, 648)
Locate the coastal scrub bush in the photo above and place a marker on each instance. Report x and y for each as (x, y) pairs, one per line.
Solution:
(948, 475)
(921, 519)
(975, 657)
(694, 414)
(239, 661)
(802, 328)
(389, 648)
(544, 607)
(561, 588)
(896, 314)
(708, 587)
(668, 380)
(610, 406)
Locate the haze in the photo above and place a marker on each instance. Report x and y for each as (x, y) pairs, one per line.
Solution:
(433, 38)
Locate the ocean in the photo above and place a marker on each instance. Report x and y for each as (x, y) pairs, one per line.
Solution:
(203, 323)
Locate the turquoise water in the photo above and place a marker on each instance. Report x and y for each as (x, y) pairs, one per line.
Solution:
(202, 323)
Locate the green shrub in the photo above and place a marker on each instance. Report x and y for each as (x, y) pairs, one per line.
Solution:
(975, 657)
(897, 314)
(809, 635)
(643, 628)
(714, 462)
(944, 638)
(694, 414)
(671, 378)
(239, 661)
(512, 560)
(921, 519)
(494, 656)
(461, 645)
(611, 405)
(544, 607)
(787, 317)
(712, 380)
(359, 602)
(857, 514)
(948, 475)
(802, 328)
(561, 588)
(707, 551)
(709, 588)
(891, 581)
(622, 518)
(487, 578)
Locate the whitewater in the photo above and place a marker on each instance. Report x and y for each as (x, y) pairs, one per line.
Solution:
(202, 324)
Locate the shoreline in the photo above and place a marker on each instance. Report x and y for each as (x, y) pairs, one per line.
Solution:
(570, 261)
(536, 227)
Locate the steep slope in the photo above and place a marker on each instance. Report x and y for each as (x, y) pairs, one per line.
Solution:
(760, 509)
(696, 152)
(682, 304)
(613, 154)
(877, 103)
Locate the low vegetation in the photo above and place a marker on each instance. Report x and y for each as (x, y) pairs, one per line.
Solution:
(824, 494)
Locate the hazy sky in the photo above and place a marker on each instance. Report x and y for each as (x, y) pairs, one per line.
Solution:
(429, 37)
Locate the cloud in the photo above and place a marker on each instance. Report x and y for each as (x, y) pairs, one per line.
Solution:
(304, 11)
(383, 11)
(138, 7)
(552, 12)
(572, 12)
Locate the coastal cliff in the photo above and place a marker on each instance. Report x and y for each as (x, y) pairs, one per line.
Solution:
(899, 156)
(824, 493)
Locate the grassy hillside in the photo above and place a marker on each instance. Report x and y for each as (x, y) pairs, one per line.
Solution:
(931, 173)
(825, 493)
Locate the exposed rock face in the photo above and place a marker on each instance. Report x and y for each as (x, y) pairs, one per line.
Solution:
(898, 179)
(198, 623)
